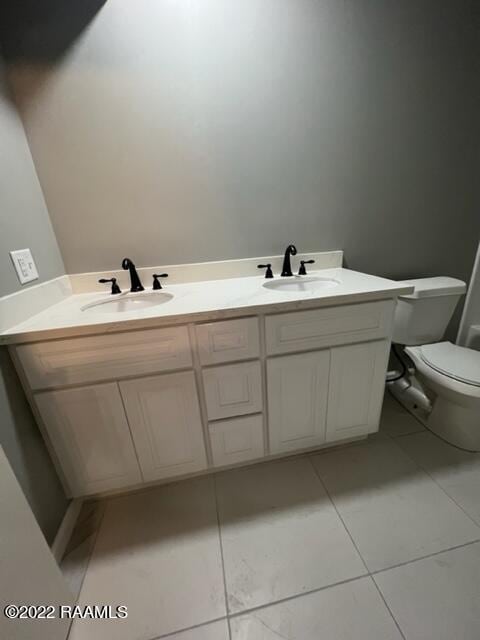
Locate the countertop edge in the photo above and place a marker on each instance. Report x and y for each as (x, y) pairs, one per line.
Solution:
(133, 324)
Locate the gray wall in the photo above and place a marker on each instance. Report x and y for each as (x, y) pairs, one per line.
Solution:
(24, 223)
(179, 131)
(24, 217)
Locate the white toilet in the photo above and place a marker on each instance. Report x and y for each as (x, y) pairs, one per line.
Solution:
(446, 381)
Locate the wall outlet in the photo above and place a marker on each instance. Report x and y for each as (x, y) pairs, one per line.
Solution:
(24, 265)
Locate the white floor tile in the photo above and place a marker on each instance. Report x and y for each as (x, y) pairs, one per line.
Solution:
(395, 420)
(456, 471)
(352, 611)
(392, 509)
(281, 535)
(436, 598)
(214, 631)
(157, 552)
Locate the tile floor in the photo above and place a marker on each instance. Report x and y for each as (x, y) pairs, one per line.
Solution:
(374, 541)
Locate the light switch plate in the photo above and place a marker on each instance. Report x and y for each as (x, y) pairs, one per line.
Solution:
(24, 265)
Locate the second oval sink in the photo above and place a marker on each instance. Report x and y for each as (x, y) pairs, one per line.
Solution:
(128, 303)
(297, 284)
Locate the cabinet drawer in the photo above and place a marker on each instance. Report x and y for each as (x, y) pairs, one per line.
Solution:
(233, 390)
(236, 440)
(227, 341)
(306, 330)
(64, 362)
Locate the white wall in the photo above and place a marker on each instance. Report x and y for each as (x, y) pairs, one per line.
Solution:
(29, 572)
(471, 312)
(180, 131)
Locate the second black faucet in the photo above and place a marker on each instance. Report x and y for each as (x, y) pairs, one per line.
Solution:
(135, 283)
(291, 250)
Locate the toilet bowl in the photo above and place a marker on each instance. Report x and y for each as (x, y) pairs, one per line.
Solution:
(451, 376)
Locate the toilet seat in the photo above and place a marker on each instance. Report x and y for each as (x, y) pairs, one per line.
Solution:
(458, 363)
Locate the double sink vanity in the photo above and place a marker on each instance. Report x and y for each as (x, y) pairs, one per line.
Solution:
(217, 368)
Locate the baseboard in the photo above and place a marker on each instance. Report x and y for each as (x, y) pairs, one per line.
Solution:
(66, 528)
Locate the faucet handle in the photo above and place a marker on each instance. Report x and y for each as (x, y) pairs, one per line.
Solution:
(268, 272)
(115, 287)
(156, 282)
(302, 271)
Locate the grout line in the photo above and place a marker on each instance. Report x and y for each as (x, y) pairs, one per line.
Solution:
(405, 435)
(221, 554)
(172, 634)
(356, 547)
(388, 608)
(92, 549)
(427, 472)
(266, 605)
(338, 514)
(312, 591)
(429, 555)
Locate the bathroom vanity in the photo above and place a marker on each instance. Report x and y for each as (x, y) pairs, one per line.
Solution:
(193, 385)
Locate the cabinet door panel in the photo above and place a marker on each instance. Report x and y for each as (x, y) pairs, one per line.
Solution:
(233, 390)
(297, 400)
(236, 440)
(89, 432)
(357, 385)
(164, 417)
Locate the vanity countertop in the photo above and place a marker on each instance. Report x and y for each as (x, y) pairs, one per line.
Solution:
(200, 301)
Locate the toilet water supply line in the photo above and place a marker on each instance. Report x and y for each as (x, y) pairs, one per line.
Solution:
(412, 395)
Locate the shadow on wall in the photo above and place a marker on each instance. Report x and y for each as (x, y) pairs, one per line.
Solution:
(33, 31)
(27, 454)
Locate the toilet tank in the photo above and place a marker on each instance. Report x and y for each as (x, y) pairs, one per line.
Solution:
(422, 317)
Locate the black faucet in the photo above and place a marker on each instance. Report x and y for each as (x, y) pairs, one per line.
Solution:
(291, 250)
(136, 285)
(115, 287)
(156, 282)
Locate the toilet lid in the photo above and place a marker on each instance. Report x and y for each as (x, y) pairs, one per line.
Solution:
(453, 361)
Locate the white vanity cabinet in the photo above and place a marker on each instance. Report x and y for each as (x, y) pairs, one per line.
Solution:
(89, 432)
(164, 417)
(146, 405)
(325, 396)
(297, 400)
(357, 383)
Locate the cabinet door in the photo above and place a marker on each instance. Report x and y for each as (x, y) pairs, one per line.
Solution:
(297, 400)
(89, 432)
(357, 383)
(164, 417)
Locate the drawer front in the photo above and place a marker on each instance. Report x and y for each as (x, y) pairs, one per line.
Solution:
(233, 390)
(63, 362)
(236, 440)
(228, 341)
(307, 330)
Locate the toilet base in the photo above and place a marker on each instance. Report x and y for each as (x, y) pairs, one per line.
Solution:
(455, 423)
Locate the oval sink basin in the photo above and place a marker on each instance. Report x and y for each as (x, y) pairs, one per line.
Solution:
(128, 303)
(297, 284)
